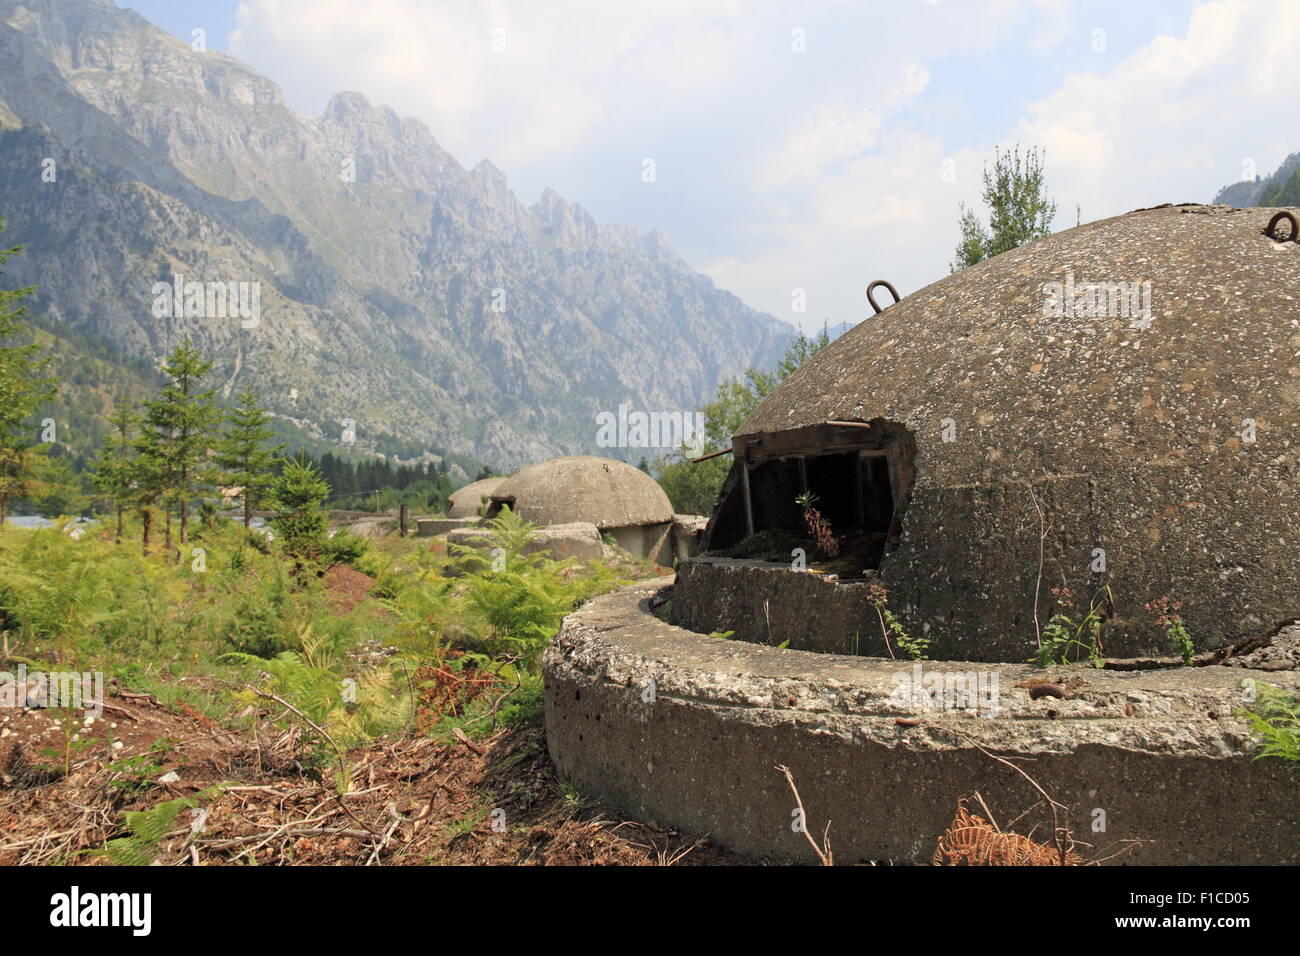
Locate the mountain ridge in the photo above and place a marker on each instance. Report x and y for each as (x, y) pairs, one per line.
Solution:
(1280, 188)
(398, 288)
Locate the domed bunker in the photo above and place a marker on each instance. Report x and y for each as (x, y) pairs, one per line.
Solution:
(618, 499)
(1112, 410)
(1123, 397)
(468, 499)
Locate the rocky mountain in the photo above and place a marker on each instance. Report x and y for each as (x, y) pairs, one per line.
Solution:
(392, 286)
(1282, 188)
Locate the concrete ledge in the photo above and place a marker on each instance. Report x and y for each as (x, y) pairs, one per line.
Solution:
(686, 730)
(579, 540)
(766, 603)
(431, 527)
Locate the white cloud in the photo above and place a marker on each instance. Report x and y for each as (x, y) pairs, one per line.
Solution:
(818, 170)
(510, 81)
(1056, 27)
(1175, 119)
(839, 131)
(1171, 122)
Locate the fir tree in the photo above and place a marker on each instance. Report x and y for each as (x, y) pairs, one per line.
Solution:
(56, 487)
(22, 390)
(300, 520)
(243, 454)
(177, 430)
(114, 471)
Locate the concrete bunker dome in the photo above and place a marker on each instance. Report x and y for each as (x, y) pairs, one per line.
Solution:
(617, 498)
(466, 500)
(1156, 428)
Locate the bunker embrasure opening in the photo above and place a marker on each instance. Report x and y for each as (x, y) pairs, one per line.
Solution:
(854, 476)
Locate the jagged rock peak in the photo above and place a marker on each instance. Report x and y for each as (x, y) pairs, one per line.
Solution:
(345, 106)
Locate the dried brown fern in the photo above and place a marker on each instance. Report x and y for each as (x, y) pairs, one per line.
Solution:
(972, 840)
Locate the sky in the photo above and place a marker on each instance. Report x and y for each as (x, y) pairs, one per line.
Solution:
(796, 151)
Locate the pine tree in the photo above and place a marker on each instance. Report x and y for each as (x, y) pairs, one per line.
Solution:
(243, 454)
(177, 430)
(114, 471)
(22, 391)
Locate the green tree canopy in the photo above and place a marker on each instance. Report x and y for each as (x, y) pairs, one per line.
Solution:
(300, 520)
(114, 470)
(56, 488)
(1019, 208)
(693, 487)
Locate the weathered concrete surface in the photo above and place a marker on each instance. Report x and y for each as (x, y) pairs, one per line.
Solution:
(431, 527)
(469, 500)
(1280, 653)
(577, 539)
(370, 527)
(687, 530)
(604, 491)
(699, 753)
(1171, 445)
(766, 603)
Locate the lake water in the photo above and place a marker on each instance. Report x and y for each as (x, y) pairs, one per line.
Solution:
(37, 521)
(32, 522)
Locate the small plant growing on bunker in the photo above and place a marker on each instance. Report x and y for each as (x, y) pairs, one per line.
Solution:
(1167, 616)
(913, 647)
(665, 611)
(1062, 633)
(818, 527)
(1275, 721)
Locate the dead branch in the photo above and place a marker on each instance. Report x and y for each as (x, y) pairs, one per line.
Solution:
(823, 852)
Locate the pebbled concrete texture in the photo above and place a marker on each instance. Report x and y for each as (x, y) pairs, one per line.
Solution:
(1158, 752)
(1130, 434)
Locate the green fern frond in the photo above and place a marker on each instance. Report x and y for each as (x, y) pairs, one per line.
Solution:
(146, 829)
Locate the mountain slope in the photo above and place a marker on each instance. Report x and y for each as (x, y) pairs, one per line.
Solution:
(1282, 188)
(397, 288)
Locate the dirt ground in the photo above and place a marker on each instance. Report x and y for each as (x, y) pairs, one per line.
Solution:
(408, 801)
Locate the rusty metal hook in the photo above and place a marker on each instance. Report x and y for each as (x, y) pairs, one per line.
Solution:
(1289, 217)
(872, 299)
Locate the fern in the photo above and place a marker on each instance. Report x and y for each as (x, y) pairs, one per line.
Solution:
(146, 829)
(507, 535)
(313, 690)
(1275, 719)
